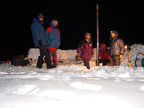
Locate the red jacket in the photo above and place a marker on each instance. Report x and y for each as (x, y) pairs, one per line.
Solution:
(104, 54)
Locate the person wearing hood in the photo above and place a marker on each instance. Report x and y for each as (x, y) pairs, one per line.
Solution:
(116, 48)
(104, 54)
(53, 39)
(39, 39)
(85, 49)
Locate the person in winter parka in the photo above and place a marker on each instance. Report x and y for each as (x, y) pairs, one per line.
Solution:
(104, 54)
(53, 38)
(116, 48)
(39, 39)
(85, 49)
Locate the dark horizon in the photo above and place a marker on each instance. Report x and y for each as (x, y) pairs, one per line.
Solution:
(75, 18)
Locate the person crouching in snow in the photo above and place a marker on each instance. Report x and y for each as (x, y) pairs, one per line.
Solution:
(116, 48)
(53, 39)
(85, 49)
(104, 54)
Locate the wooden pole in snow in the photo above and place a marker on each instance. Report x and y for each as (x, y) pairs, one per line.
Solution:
(97, 52)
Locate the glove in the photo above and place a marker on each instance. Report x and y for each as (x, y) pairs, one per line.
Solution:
(92, 55)
(78, 54)
(40, 42)
(121, 56)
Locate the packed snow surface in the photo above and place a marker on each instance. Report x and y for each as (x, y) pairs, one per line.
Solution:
(71, 85)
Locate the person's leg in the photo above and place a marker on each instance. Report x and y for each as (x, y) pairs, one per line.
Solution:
(54, 58)
(111, 61)
(104, 62)
(50, 54)
(86, 63)
(88, 66)
(40, 58)
(47, 57)
(107, 62)
(117, 60)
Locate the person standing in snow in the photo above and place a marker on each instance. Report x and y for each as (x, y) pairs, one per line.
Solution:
(116, 48)
(85, 49)
(104, 54)
(53, 39)
(39, 38)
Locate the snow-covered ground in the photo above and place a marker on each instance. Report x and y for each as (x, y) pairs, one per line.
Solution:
(73, 86)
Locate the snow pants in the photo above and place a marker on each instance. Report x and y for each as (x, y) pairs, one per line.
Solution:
(86, 63)
(114, 60)
(53, 53)
(43, 53)
(104, 61)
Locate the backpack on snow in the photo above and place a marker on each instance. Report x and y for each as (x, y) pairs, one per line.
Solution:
(19, 61)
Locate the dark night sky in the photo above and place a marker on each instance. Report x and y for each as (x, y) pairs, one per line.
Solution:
(75, 18)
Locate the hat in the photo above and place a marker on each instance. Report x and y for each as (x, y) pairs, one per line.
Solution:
(87, 33)
(40, 15)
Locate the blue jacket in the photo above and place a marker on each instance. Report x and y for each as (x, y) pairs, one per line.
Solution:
(53, 36)
(38, 32)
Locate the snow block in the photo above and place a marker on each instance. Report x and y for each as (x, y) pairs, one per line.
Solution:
(61, 54)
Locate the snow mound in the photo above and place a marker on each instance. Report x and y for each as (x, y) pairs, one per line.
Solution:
(135, 49)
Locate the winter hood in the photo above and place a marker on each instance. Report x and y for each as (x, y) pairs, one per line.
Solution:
(103, 45)
(51, 23)
(116, 33)
(35, 19)
(87, 33)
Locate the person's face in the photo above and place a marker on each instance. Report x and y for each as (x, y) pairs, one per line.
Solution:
(102, 46)
(87, 37)
(54, 24)
(41, 19)
(112, 35)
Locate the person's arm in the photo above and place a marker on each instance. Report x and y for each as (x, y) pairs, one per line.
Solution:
(122, 48)
(58, 40)
(47, 33)
(35, 31)
(92, 50)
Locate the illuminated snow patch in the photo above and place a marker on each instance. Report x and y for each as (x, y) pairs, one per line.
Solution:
(26, 89)
(51, 71)
(141, 80)
(124, 75)
(46, 78)
(100, 101)
(56, 94)
(128, 79)
(100, 73)
(81, 86)
(117, 80)
(74, 67)
(142, 88)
